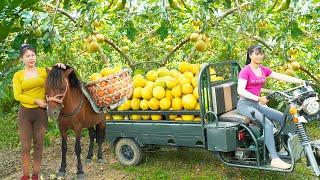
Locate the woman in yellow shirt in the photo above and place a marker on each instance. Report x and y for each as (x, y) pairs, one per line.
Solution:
(29, 90)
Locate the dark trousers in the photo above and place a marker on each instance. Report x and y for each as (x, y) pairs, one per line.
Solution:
(246, 106)
(32, 124)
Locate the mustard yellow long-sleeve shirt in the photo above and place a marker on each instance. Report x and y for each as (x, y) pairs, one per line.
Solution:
(27, 90)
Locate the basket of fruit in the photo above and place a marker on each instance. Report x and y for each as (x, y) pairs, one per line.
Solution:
(110, 88)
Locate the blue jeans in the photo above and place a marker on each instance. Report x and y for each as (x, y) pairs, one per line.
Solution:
(246, 106)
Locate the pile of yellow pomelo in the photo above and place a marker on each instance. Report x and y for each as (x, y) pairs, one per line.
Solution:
(164, 89)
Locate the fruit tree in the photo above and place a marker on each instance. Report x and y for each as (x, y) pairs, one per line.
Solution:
(95, 34)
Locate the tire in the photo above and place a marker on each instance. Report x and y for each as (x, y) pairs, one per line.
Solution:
(128, 152)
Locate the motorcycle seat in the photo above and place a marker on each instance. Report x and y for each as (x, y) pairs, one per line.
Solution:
(233, 116)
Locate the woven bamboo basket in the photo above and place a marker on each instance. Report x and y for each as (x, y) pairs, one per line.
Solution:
(111, 91)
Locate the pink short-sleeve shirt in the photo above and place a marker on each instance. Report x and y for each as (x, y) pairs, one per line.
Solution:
(254, 82)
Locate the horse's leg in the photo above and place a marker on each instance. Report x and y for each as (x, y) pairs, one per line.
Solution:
(90, 151)
(77, 148)
(64, 147)
(101, 138)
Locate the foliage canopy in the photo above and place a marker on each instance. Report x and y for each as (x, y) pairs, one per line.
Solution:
(157, 31)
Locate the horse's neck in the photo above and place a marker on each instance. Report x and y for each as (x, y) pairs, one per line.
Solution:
(72, 100)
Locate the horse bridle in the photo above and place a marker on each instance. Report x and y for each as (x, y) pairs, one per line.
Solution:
(56, 99)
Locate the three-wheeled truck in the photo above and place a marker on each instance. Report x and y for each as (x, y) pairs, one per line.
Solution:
(236, 140)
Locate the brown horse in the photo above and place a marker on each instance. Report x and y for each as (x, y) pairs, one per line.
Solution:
(70, 107)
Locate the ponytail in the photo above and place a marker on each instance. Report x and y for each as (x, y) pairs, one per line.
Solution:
(248, 61)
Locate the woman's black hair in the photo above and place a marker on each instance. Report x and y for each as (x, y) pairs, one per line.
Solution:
(252, 49)
(25, 47)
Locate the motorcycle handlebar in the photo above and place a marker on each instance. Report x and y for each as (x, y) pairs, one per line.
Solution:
(270, 95)
(285, 93)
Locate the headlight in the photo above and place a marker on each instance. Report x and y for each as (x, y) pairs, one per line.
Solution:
(311, 105)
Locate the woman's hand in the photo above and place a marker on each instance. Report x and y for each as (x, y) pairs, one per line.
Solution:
(40, 103)
(61, 65)
(263, 100)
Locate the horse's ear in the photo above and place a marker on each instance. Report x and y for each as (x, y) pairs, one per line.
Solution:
(48, 70)
(68, 72)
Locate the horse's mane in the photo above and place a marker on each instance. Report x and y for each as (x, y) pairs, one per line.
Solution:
(55, 77)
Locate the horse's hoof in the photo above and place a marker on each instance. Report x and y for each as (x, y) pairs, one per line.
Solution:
(88, 160)
(61, 174)
(101, 161)
(80, 176)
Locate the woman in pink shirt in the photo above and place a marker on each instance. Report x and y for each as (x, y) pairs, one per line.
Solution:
(251, 80)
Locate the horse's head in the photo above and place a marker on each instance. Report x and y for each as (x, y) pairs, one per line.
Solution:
(58, 82)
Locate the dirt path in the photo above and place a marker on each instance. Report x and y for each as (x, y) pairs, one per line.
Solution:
(10, 168)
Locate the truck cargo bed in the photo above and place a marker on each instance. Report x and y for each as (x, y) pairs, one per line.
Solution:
(150, 112)
(145, 132)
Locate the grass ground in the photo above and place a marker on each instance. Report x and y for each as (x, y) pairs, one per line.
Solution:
(201, 164)
(170, 163)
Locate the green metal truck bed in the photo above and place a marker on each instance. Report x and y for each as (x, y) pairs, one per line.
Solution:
(167, 133)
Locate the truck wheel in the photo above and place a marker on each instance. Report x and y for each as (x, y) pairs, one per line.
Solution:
(128, 152)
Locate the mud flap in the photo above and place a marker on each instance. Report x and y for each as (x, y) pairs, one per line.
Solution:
(295, 147)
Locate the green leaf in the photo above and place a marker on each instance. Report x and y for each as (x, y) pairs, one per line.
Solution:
(66, 4)
(15, 3)
(13, 54)
(28, 3)
(5, 27)
(317, 57)
(152, 1)
(33, 41)
(27, 17)
(295, 30)
(163, 30)
(131, 30)
(18, 41)
(3, 3)
(283, 5)
(227, 3)
(16, 29)
(47, 46)
(273, 6)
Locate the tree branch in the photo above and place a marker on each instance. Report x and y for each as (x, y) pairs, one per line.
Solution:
(55, 11)
(193, 50)
(260, 40)
(184, 41)
(109, 6)
(67, 14)
(239, 12)
(62, 12)
(230, 11)
(310, 74)
(112, 44)
(104, 57)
